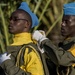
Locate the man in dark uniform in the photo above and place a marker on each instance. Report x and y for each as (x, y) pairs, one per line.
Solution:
(19, 59)
(64, 56)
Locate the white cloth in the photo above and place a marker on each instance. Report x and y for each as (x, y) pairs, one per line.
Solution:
(4, 57)
(39, 35)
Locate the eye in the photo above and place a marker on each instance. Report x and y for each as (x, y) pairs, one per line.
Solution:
(16, 19)
(13, 18)
(66, 21)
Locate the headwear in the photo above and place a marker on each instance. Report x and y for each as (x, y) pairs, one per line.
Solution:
(24, 6)
(69, 9)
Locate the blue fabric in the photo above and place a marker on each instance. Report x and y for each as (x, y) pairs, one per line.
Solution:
(24, 6)
(69, 9)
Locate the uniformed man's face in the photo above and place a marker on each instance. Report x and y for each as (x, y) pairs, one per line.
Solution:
(68, 26)
(17, 22)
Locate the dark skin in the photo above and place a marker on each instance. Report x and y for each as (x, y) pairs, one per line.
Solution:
(20, 21)
(68, 26)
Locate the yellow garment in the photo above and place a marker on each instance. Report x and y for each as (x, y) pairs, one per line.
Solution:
(72, 50)
(32, 62)
(22, 38)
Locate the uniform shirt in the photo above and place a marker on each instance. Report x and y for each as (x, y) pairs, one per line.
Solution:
(32, 62)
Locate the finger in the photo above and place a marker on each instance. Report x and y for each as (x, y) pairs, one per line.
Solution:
(9, 55)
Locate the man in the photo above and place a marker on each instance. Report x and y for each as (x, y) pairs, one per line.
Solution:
(20, 60)
(64, 56)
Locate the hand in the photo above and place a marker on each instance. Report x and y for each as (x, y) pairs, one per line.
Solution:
(39, 35)
(4, 57)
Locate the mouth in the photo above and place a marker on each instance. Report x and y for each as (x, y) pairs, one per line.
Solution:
(62, 29)
(10, 27)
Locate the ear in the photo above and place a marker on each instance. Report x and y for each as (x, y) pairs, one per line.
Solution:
(27, 24)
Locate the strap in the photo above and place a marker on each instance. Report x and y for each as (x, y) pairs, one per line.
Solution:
(31, 46)
(20, 56)
(66, 46)
(61, 70)
(42, 57)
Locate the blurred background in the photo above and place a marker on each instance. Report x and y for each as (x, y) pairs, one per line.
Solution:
(49, 12)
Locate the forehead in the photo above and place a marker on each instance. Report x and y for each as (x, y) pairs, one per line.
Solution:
(18, 13)
(68, 17)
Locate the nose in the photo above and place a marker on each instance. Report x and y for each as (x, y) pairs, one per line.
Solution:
(63, 23)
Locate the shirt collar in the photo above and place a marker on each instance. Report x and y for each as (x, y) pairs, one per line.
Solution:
(22, 38)
(70, 39)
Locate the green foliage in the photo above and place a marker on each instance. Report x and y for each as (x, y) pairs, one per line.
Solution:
(49, 13)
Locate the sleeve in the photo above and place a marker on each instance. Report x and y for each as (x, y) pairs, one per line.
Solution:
(58, 55)
(10, 68)
(33, 63)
